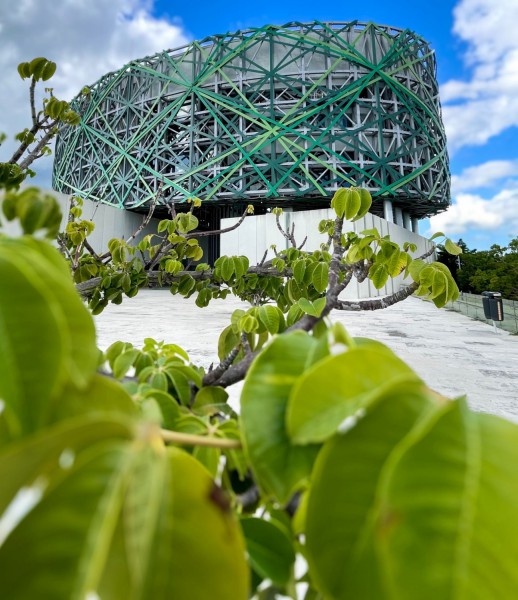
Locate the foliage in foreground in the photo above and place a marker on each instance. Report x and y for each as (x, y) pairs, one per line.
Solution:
(386, 489)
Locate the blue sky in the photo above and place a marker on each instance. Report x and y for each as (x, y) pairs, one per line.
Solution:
(475, 43)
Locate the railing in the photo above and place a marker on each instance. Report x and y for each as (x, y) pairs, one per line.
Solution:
(471, 306)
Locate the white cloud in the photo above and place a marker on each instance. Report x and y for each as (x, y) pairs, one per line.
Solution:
(472, 211)
(86, 38)
(486, 104)
(484, 175)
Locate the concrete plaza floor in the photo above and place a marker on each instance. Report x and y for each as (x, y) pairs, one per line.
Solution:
(452, 353)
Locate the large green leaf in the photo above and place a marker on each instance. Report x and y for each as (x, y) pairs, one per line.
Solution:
(103, 395)
(33, 344)
(279, 467)
(338, 386)
(343, 495)
(441, 520)
(48, 452)
(82, 356)
(47, 337)
(449, 502)
(150, 515)
(270, 550)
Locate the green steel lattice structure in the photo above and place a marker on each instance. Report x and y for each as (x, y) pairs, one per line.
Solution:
(276, 115)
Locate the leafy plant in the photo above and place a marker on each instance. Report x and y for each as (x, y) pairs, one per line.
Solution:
(126, 474)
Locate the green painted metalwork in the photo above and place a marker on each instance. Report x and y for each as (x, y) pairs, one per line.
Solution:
(276, 115)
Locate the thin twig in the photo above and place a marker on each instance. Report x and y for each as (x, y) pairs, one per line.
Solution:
(190, 439)
(197, 234)
(286, 234)
(261, 263)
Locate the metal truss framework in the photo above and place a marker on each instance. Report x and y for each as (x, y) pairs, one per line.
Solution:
(279, 115)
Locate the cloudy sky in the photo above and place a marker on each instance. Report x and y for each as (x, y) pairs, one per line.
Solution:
(476, 43)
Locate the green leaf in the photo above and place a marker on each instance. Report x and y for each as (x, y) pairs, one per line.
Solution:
(186, 222)
(270, 316)
(186, 285)
(36, 67)
(167, 405)
(241, 264)
(378, 274)
(294, 314)
(352, 204)
(228, 340)
(47, 337)
(449, 494)
(359, 378)
(338, 201)
(248, 324)
(279, 467)
(227, 268)
(210, 395)
(365, 203)
(269, 549)
(124, 362)
(441, 497)
(437, 235)
(312, 308)
(299, 267)
(344, 492)
(209, 458)
(181, 385)
(101, 396)
(396, 263)
(204, 297)
(24, 70)
(162, 226)
(452, 248)
(129, 513)
(320, 277)
(374, 232)
(319, 305)
(415, 268)
(48, 70)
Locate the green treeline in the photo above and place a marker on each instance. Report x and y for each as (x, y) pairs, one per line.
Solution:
(476, 271)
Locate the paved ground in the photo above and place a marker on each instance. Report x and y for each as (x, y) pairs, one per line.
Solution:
(452, 353)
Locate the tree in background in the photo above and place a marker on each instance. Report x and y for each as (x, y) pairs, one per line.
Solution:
(476, 271)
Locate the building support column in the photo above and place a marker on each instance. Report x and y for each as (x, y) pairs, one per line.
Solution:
(415, 224)
(398, 214)
(388, 213)
(407, 222)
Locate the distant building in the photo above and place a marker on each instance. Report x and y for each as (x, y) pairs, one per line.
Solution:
(275, 116)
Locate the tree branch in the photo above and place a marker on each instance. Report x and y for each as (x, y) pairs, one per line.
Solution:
(198, 234)
(223, 366)
(378, 303)
(149, 215)
(33, 103)
(286, 234)
(35, 153)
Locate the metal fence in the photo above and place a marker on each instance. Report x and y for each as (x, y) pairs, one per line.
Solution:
(471, 306)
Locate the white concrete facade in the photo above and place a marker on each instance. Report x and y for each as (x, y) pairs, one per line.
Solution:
(110, 222)
(257, 233)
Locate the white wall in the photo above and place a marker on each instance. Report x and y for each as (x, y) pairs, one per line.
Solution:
(257, 233)
(110, 222)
